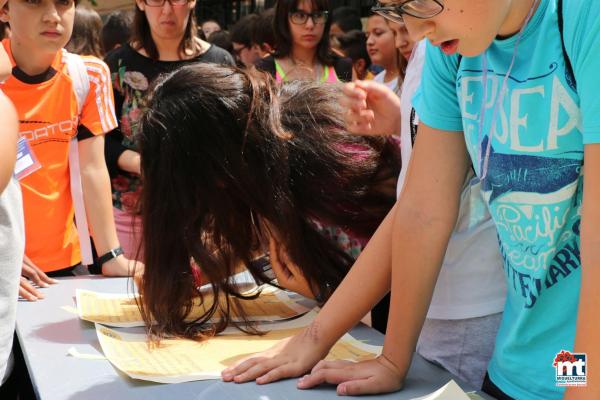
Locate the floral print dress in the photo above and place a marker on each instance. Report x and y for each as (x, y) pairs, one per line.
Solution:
(132, 75)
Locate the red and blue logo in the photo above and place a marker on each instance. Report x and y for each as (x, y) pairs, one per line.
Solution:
(571, 369)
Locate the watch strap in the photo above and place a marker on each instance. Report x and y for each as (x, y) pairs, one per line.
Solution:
(113, 253)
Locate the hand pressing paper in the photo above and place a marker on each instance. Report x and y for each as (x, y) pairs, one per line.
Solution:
(183, 360)
(121, 310)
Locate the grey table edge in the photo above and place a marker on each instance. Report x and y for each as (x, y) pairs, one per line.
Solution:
(46, 330)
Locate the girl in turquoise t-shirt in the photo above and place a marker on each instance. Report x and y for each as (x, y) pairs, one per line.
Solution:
(510, 88)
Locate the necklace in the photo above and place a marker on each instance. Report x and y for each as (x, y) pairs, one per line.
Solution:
(303, 69)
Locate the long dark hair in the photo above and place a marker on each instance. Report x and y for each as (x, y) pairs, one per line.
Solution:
(116, 30)
(141, 36)
(229, 159)
(283, 36)
(85, 39)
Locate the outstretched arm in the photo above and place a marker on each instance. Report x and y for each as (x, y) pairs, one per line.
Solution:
(588, 325)
(425, 216)
(9, 132)
(366, 283)
(407, 250)
(98, 204)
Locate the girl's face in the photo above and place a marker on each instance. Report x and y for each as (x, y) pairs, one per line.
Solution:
(210, 27)
(167, 21)
(309, 34)
(403, 41)
(467, 26)
(381, 43)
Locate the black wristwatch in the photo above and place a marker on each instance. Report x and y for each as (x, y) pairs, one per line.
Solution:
(113, 253)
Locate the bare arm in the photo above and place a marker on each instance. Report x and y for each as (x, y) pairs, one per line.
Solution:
(9, 130)
(5, 65)
(422, 227)
(425, 215)
(366, 283)
(588, 324)
(410, 244)
(407, 251)
(98, 203)
(129, 161)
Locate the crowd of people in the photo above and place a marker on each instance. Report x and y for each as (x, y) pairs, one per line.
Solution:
(424, 163)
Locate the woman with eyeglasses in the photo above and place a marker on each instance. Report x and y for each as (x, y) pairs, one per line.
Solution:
(163, 40)
(510, 89)
(302, 52)
(302, 49)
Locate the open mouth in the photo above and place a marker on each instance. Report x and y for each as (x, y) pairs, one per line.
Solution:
(449, 47)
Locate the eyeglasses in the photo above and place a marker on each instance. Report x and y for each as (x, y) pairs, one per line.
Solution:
(160, 3)
(300, 17)
(421, 9)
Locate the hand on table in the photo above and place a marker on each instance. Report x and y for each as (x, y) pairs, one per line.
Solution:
(355, 378)
(291, 357)
(32, 275)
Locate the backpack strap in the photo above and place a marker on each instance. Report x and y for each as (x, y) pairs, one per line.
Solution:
(78, 73)
(81, 86)
(561, 24)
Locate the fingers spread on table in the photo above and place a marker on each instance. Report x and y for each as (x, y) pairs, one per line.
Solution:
(28, 291)
(331, 365)
(328, 375)
(288, 370)
(358, 387)
(258, 369)
(228, 374)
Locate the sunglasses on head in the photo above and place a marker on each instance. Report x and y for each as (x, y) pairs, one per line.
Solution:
(421, 9)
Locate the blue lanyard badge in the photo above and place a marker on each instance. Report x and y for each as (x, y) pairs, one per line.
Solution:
(26, 163)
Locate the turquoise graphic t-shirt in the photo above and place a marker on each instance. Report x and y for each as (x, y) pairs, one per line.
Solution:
(534, 178)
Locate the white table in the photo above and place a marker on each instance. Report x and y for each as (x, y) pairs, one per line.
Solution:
(46, 331)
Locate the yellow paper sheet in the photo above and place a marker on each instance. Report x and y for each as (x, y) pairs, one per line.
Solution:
(121, 310)
(450, 391)
(180, 360)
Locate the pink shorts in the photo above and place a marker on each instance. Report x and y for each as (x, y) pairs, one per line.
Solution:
(129, 232)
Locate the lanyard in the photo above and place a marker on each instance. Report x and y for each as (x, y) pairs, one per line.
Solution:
(499, 99)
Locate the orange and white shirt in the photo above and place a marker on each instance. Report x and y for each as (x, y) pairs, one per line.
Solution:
(49, 118)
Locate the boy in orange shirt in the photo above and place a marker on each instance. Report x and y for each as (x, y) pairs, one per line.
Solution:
(44, 95)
